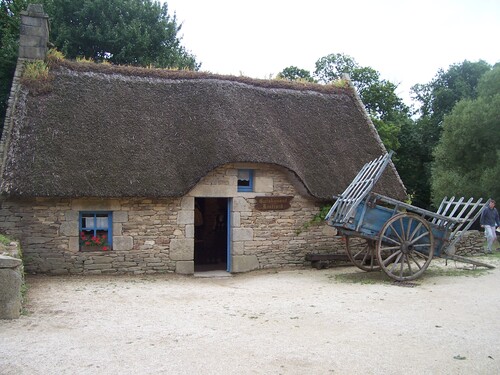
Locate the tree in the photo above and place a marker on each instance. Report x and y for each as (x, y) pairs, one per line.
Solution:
(467, 157)
(414, 162)
(292, 73)
(386, 109)
(437, 99)
(10, 20)
(439, 96)
(133, 32)
(333, 66)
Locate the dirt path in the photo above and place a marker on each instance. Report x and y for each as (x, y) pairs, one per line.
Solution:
(287, 322)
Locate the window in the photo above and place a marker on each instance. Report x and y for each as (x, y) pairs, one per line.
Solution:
(245, 180)
(96, 231)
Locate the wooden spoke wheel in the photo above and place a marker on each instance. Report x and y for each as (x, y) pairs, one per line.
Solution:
(361, 252)
(405, 247)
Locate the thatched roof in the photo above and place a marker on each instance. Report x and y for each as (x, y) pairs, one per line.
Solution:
(104, 131)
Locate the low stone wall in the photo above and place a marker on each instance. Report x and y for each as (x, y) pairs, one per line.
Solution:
(471, 243)
(11, 281)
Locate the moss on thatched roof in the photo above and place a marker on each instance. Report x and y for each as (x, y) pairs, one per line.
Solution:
(107, 131)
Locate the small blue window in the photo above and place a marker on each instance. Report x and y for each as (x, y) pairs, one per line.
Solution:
(96, 231)
(245, 180)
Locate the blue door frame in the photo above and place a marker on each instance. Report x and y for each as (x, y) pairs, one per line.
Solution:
(228, 234)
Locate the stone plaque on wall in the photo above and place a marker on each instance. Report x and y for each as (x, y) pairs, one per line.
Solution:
(273, 203)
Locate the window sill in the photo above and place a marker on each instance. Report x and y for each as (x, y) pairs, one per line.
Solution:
(94, 248)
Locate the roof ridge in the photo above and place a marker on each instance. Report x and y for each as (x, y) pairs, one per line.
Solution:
(134, 71)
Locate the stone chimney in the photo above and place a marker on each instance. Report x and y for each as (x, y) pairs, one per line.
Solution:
(34, 33)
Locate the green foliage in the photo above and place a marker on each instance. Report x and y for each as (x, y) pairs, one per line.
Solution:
(83, 59)
(36, 76)
(413, 162)
(467, 157)
(488, 86)
(128, 32)
(53, 55)
(320, 216)
(10, 20)
(418, 141)
(36, 70)
(363, 278)
(4, 240)
(333, 66)
(342, 83)
(388, 132)
(292, 73)
(439, 96)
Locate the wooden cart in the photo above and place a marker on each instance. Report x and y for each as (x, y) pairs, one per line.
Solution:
(401, 239)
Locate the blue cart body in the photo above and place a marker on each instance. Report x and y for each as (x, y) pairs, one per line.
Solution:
(369, 219)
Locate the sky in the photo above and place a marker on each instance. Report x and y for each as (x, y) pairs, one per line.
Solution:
(407, 42)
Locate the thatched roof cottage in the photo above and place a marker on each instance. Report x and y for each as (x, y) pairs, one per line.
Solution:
(121, 169)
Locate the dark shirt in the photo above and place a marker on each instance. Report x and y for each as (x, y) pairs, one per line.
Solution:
(489, 216)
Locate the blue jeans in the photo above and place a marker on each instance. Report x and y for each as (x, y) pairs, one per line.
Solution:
(491, 236)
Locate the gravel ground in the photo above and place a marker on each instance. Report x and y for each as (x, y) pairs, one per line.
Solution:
(301, 321)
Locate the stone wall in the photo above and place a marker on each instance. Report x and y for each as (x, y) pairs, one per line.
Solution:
(157, 235)
(48, 230)
(471, 243)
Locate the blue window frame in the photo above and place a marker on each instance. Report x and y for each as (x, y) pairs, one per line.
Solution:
(96, 230)
(245, 180)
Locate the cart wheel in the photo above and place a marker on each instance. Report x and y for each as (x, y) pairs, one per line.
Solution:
(361, 252)
(405, 246)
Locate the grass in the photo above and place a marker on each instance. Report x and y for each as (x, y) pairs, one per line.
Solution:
(36, 77)
(83, 59)
(361, 277)
(36, 70)
(343, 83)
(436, 270)
(24, 299)
(4, 240)
(452, 271)
(54, 55)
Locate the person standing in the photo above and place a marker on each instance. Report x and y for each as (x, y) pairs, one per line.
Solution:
(490, 221)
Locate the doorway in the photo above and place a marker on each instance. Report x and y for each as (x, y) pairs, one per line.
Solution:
(211, 234)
